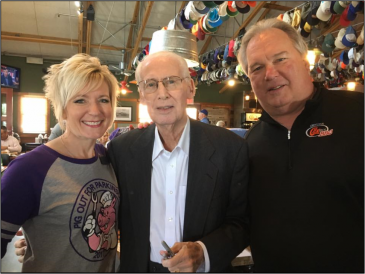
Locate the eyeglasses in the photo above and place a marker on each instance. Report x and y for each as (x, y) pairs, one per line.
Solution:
(170, 83)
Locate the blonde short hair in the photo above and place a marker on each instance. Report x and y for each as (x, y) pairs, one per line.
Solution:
(267, 24)
(64, 81)
(181, 62)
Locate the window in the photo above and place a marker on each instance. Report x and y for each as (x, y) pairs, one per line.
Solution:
(192, 112)
(33, 114)
(143, 115)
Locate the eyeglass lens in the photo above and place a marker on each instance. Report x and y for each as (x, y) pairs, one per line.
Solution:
(170, 83)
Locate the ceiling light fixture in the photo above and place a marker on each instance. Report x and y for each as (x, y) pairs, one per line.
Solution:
(77, 3)
(312, 52)
(231, 82)
(351, 85)
(124, 88)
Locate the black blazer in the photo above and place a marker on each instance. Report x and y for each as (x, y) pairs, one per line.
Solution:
(216, 197)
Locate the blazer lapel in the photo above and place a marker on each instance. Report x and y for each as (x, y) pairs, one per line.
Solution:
(139, 184)
(202, 176)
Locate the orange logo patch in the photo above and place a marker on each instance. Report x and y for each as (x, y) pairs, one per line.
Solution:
(318, 130)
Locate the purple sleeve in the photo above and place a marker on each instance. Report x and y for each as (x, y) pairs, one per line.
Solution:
(21, 187)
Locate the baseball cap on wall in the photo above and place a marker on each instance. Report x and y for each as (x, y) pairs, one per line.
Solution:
(324, 12)
(329, 43)
(338, 41)
(312, 18)
(349, 39)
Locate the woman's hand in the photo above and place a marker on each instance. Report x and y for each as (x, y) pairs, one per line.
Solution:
(20, 247)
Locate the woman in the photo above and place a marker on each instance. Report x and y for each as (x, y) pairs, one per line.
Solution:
(64, 194)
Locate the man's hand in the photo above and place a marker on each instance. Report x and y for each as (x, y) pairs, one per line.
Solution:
(20, 247)
(188, 257)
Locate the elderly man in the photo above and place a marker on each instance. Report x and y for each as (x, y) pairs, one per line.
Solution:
(306, 161)
(9, 142)
(181, 181)
(203, 116)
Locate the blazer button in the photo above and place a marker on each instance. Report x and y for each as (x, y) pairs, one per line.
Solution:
(131, 192)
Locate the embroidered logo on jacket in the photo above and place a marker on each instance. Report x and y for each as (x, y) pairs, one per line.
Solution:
(318, 130)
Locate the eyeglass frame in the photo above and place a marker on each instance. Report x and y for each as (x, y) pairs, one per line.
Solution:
(166, 78)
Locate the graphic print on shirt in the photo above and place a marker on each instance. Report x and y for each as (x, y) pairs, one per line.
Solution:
(318, 130)
(93, 219)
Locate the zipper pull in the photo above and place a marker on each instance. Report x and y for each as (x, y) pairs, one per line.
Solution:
(288, 134)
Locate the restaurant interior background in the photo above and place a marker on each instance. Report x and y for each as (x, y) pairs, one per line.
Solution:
(37, 34)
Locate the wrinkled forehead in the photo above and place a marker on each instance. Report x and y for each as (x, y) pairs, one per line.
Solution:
(160, 67)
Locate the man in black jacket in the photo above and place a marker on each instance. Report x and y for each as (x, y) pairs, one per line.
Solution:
(180, 180)
(306, 190)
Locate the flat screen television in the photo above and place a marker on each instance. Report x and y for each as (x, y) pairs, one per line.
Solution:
(10, 76)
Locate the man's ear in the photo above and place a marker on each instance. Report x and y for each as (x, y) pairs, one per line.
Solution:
(192, 89)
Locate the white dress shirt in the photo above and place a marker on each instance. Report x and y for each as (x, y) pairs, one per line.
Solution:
(168, 192)
(12, 143)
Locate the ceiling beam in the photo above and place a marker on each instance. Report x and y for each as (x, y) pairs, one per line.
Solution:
(183, 4)
(276, 7)
(265, 12)
(88, 29)
(139, 37)
(223, 89)
(249, 18)
(80, 32)
(335, 54)
(334, 26)
(206, 44)
(131, 28)
(12, 36)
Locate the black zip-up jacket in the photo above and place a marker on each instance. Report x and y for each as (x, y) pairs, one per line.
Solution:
(306, 190)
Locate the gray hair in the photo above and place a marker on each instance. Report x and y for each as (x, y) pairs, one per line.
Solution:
(221, 123)
(267, 24)
(181, 63)
(66, 80)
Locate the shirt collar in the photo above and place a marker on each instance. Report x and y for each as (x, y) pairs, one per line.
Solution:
(183, 143)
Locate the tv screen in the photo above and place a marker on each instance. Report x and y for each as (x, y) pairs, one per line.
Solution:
(10, 76)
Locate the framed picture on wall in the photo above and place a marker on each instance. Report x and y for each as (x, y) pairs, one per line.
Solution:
(123, 114)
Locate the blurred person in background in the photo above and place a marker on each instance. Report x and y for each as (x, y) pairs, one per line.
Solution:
(203, 116)
(104, 139)
(55, 132)
(9, 142)
(221, 124)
